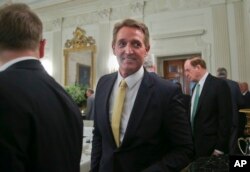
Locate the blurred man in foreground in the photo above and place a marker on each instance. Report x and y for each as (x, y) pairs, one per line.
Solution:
(40, 126)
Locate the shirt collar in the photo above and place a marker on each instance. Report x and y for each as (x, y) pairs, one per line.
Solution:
(11, 62)
(202, 80)
(131, 80)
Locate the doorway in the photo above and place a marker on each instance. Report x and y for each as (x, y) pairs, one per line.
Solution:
(173, 70)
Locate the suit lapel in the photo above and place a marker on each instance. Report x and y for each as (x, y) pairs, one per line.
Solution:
(203, 92)
(141, 102)
(105, 94)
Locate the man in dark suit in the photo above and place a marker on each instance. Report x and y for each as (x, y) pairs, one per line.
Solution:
(154, 132)
(211, 118)
(40, 126)
(246, 97)
(246, 94)
(89, 112)
(238, 103)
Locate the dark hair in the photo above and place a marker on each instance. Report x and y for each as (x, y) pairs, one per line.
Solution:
(194, 61)
(20, 28)
(131, 23)
(90, 90)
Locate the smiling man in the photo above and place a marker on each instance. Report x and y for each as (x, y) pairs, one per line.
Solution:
(140, 119)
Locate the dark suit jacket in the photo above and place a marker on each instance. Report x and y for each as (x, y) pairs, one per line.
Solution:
(187, 101)
(238, 103)
(40, 126)
(247, 99)
(90, 107)
(158, 136)
(212, 122)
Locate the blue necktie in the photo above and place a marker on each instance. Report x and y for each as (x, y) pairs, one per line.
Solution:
(196, 100)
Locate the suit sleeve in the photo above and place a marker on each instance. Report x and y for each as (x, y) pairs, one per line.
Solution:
(225, 114)
(178, 136)
(87, 111)
(96, 151)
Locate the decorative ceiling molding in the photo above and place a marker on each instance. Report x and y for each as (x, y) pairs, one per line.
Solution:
(34, 4)
(104, 14)
(53, 9)
(137, 7)
(196, 32)
(57, 24)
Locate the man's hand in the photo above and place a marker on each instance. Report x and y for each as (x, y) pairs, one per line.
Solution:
(217, 153)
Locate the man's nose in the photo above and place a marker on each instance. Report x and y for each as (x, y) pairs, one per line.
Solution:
(128, 49)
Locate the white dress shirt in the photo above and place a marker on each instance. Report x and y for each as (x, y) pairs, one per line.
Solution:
(201, 82)
(11, 62)
(133, 82)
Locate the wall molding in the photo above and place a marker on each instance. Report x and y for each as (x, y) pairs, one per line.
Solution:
(196, 32)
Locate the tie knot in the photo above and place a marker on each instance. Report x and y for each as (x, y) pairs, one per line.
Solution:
(123, 84)
(198, 86)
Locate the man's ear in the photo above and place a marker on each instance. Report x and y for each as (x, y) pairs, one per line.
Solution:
(42, 48)
(147, 50)
(198, 66)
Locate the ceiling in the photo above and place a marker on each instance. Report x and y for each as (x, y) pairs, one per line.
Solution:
(47, 9)
(45, 3)
(53, 9)
(35, 4)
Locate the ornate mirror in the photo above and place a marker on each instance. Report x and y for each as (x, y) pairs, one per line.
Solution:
(79, 59)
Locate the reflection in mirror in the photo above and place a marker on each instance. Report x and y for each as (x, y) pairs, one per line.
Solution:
(79, 58)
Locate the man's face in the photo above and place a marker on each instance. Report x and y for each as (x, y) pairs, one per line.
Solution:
(191, 72)
(130, 50)
(88, 93)
(244, 87)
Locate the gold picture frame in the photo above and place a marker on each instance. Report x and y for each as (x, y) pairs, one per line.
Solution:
(80, 59)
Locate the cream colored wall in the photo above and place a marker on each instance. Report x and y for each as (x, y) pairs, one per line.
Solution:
(246, 59)
(219, 30)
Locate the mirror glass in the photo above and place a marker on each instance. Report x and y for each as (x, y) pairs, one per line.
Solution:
(79, 58)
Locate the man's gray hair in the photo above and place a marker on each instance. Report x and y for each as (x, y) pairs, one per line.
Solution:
(222, 72)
